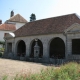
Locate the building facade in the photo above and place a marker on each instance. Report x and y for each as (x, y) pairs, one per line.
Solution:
(52, 40)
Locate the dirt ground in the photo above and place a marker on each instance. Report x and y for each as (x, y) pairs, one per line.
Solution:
(13, 67)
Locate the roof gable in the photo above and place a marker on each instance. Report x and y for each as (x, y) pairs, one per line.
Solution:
(17, 18)
(73, 28)
(9, 35)
(47, 26)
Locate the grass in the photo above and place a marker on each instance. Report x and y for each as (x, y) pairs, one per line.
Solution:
(69, 71)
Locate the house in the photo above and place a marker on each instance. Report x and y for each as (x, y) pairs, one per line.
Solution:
(5, 28)
(17, 20)
(55, 39)
(12, 24)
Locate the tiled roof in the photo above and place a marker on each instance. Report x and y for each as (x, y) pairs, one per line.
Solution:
(7, 27)
(17, 18)
(47, 26)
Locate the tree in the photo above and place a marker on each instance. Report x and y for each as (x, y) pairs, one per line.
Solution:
(33, 17)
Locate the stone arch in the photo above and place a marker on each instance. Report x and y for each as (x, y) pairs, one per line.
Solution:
(21, 48)
(32, 44)
(57, 48)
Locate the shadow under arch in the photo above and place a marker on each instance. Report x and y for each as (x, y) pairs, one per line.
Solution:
(57, 48)
(21, 48)
(32, 48)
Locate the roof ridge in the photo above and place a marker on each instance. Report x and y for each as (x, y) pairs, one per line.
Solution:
(7, 27)
(12, 17)
(21, 16)
(54, 17)
(17, 18)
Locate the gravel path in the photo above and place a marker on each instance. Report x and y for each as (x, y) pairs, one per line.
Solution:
(13, 67)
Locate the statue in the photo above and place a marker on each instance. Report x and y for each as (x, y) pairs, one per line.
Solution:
(36, 49)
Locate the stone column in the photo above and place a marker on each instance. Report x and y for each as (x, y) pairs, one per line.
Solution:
(69, 47)
(27, 50)
(5, 46)
(45, 51)
(15, 50)
(13, 47)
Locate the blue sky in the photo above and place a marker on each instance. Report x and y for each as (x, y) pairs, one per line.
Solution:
(42, 8)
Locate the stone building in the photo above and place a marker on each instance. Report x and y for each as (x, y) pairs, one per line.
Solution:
(47, 40)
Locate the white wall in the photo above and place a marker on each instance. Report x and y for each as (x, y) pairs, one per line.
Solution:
(18, 25)
(2, 34)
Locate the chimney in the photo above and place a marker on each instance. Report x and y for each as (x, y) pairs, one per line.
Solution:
(12, 13)
(0, 21)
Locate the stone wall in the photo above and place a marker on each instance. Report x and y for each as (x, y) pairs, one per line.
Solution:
(71, 36)
(45, 39)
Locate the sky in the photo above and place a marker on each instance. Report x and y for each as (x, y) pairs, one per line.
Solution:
(41, 8)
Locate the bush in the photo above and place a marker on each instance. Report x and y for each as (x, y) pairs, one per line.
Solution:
(1, 49)
(69, 71)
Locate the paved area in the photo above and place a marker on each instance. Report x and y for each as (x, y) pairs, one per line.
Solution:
(13, 67)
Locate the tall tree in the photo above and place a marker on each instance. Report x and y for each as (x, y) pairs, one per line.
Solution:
(33, 17)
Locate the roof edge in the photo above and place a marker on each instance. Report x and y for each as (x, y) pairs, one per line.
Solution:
(56, 17)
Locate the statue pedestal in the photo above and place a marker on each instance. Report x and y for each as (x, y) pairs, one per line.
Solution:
(36, 50)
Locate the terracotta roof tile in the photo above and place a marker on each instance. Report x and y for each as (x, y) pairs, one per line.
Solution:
(17, 18)
(8, 27)
(47, 26)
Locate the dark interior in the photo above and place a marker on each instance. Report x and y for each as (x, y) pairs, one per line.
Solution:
(57, 49)
(75, 46)
(21, 48)
(9, 47)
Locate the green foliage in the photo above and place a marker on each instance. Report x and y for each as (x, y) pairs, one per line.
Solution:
(1, 49)
(69, 71)
(5, 77)
(33, 17)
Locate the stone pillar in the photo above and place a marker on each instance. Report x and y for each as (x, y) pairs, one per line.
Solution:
(27, 50)
(45, 51)
(13, 47)
(69, 47)
(5, 46)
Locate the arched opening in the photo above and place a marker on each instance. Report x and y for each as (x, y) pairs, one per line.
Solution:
(57, 49)
(40, 46)
(21, 48)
